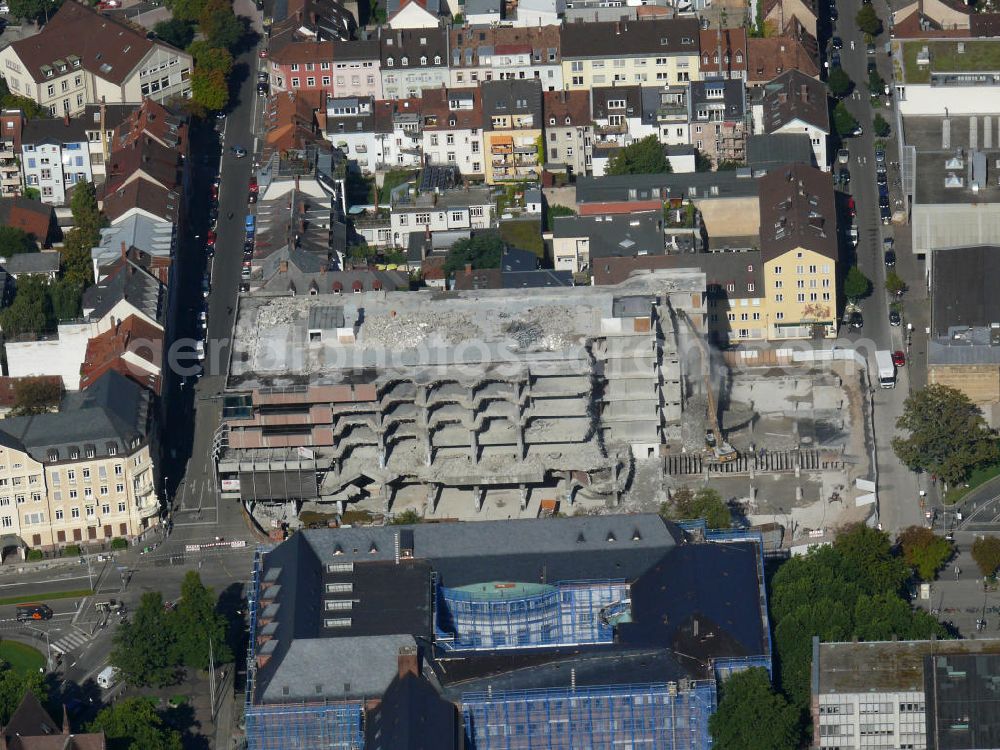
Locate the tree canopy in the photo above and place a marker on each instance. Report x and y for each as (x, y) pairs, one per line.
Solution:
(704, 503)
(555, 211)
(986, 553)
(13, 686)
(843, 121)
(946, 434)
(208, 57)
(31, 310)
(839, 82)
(209, 89)
(14, 241)
(31, 109)
(175, 31)
(868, 21)
(881, 126)
(894, 284)
(876, 84)
(135, 724)
(186, 10)
(196, 623)
(642, 157)
(482, 250)
(751, 716)
(219, 25)
(856, 284)
(35, 396)
(924, 551)
(850, 589)
(33, 10)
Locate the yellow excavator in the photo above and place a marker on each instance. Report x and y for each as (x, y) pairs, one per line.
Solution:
(722, 451)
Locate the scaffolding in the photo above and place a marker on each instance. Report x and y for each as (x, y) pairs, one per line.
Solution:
(503, 615)
(664, 716)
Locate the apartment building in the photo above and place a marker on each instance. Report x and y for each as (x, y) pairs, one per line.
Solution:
(302, 66)
(795, 103)
(653, 53)
(512, 115)
(11, 125)
(799, 250)
(453, 128)
(82, 474)
(718, 115)
(724, 53)
(83, 57)
(487, 53)
(569, 131)
(619, 120)
(55, 155)
(433, 211)
(413, 60)
(356, 68)
(350, 126)
(580, 242)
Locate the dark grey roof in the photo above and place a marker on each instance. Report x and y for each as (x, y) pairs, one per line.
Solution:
(733, 99)
(326, 317)
(772, 151)
(697, 185)
(50, 130)
(794, 95)
(431, 6)
(412, 716)
(543, 277)
(114, 411)
(479, 7)
(515, 259)
(356, 49)
(964, 288)
(114, 115)
(514, 97)
(130, 282)
(962, 707)
(630, 38)
(29, 263)
(631, 95)
(414, 44)
(618, 235)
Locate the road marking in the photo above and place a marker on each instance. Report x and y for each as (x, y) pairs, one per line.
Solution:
(47, 580)
(70, 642)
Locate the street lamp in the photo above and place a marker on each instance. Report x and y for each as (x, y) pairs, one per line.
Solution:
(48, 647)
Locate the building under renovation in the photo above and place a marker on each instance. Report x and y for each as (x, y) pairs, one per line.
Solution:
(335, 398)
(539, 634)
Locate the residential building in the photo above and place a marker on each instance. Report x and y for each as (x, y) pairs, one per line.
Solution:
(32, 728)
(506, 53)
(399, 129)
(795, 103)
(718, 114)
(33, 217)
(434, 210)
(512, 116)
(132, 347)
(536, 13)
(617, 112)
(44, 265)
(569, 131)
(953, 76)
(453, 129)
(668, 108)
(799, 250)
(127, 289)
(380, 348)
(60, 355)
(483, 12)
(519, 269)
(350, 126)
(413, 60)
(356, 66)
(768, 152)
(86, 472)
(100, 122)
(917, 694)
(55, 155)
(300, 65)
(11, 125)
(724, 53)
(779, 15)
(949, 16)
(653, 53)
(768, 58)
(413, 14)
(580, 242)
(291, 122)
(292, 270)
(136, 232)
(964, 347)
(84, 57)
(619, 603)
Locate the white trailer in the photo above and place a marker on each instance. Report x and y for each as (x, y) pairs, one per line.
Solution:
(886, 369)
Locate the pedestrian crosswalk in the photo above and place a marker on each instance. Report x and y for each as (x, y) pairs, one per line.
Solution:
(72, 640)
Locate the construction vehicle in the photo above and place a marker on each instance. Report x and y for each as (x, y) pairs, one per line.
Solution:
(723, 451)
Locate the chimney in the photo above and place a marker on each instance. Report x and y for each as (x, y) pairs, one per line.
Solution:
(302, 226)
(468, 269)
(65, 720)
(283, 266)
(124, 250)
(407, 661)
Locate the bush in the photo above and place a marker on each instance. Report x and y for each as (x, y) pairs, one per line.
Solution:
(119, 543)
(71, 550)
(34, 555)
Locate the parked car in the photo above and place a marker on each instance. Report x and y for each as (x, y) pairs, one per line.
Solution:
(883, 190)
(870, 49)
(843, 156)
(855, 321)
(262, 54)
(238, 151)
(852, 210)
(834, 59)
(880, 156)
(261, 76)
(837, 43)
(252, 198)
(845, 176)
(899, 359)
(881, 178)
(894, 318)
(885, 214)
(210, 238)
(262, 89)
(890, 258)
(834, 15)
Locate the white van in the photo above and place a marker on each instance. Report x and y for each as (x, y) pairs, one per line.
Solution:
(107, 678)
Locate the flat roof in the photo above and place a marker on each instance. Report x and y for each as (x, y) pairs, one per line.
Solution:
(949, 56)
(880, 666)
(947, 162)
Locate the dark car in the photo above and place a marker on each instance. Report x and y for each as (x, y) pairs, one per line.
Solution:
(834, 59)
(837, 43)
(262, 76)
(883, 190)
(872, 67)
(881, 178)
(894, 319)
(252, 198)
(883, 201)
(845, 176)
(855, 321)
(834, 15)
(33, 612)
(880, 156)
(890, 258)
(870, 49)
(262, 89)
(885, 214)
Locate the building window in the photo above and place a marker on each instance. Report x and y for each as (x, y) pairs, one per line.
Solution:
(121, 507)
(310, 81)
(74, 513)
(59, 514)
(295, 83)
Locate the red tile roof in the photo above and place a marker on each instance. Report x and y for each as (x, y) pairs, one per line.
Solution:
(769, 58)
(438, 115)
(734, 47)
(34, 217)
(562, 104)
(143, 194)
(132, 336)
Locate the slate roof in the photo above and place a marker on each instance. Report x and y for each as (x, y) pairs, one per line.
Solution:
(964, 287)
(107, 48)
(697, 185)
(518, 269)
(775, 150)
(797, 210)
(741, 270)
(438, 114)
(32, 263)
(144, 194)
(632, 95)
(563, 105)
(51, 130)
(128, 281)
(412, 716)
(107, 417)
(795, 96)
(611, 39)
(414, 44)
(514, 97)
(621, 235)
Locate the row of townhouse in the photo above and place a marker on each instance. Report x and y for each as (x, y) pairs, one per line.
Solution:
(83, 57)
(88, 470)
(508, 130)
(394, 63)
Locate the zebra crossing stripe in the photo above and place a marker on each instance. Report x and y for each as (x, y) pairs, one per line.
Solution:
(68, 642)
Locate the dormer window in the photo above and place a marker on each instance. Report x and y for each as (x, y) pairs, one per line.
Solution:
(404, 61)
(552, 121)
(389, 62)
(568, 120)
(423, 59)
(437, 59)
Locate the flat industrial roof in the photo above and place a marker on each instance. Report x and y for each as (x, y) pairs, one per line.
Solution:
(945, 156)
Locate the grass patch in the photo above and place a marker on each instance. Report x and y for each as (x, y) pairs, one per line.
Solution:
(976, 478)
(945, 58)
(75, 594)
(394, 179)
(524, 234)
(21, 658)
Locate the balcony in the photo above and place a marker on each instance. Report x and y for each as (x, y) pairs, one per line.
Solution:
(502, 148)
(6, 154)
(13, 181)
(611, 129)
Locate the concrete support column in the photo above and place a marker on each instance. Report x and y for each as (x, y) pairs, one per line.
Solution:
(521, 450)
(433, 495)
(474, 446)
(380, 435)
(524, 497)
(480, 495)
(387, 494)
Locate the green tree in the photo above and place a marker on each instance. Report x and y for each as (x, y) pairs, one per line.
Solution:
(32, 194)
(66, 297)
(134, 724)
(34, 10)
(856, 284)
(894, 284)
(35, 396)
(77, 267)
(868, 20)
(30, 312)
(14, 241)
(13, 686)
(86, 215)
(876, 84)
(706, 503)
(881, 126)
(209, 58)
(197, 624)
(482, 250)
(176, 32)
(843, 121)
(751, 716)
(986, 553)
(551, 212)
(839, 82)
(143, 648)
(946, 434)
(31, 109)
(642, 157)
(219, 25)
(209, 89)
(407, 518)
(186, 10)
(924, 551)
(702, 161)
